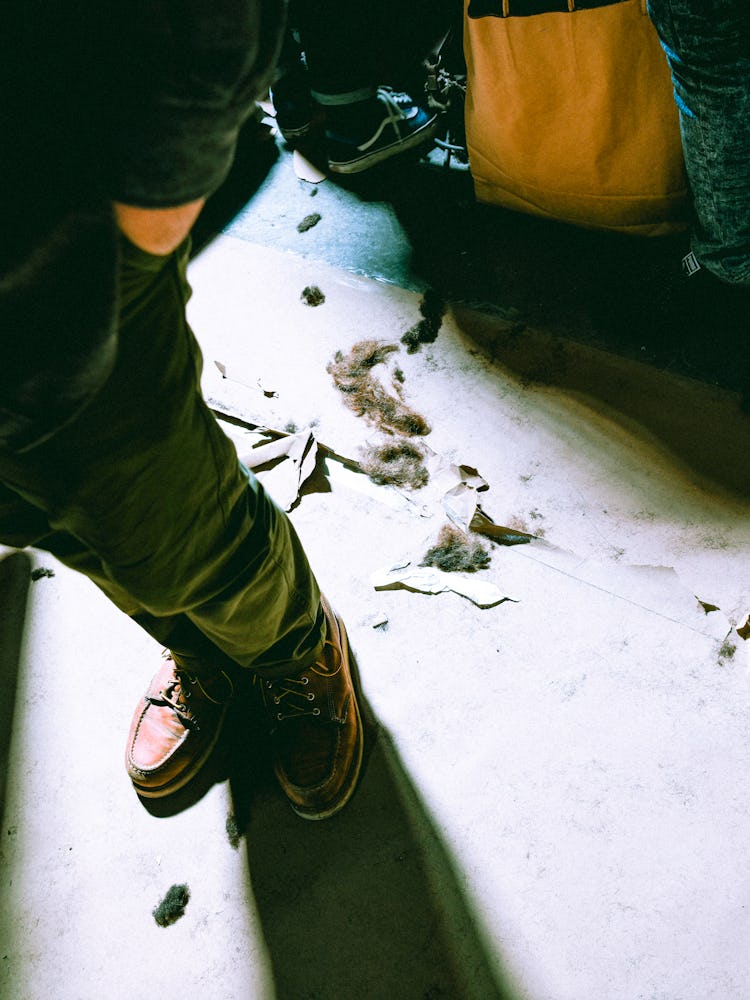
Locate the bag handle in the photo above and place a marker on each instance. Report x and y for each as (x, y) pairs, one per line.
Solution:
(530, 8)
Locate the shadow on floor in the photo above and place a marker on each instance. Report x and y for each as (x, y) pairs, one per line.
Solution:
(603, 315)
(367, 904)
(415, 224)
(700, 426)
(15, 575)
(621, 293)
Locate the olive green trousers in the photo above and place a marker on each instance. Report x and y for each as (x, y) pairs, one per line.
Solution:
(144, 494)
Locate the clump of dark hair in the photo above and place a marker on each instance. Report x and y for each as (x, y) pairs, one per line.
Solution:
(234, 834)
(40, 572)
(312, 295)
(172, 906)
(308, 222)
(727, 650)
(348, 370)
(366, 396)
(397, 463)
(426, 330)
(456, 551)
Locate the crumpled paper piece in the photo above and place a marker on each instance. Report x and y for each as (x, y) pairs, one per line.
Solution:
(460, 504)
(451, 489)
(285, 479)
(446, 475)
(428, 580)
(454, 487)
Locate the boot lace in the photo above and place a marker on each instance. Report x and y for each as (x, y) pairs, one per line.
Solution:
(396, 100)
(294, 697)
(179, 690)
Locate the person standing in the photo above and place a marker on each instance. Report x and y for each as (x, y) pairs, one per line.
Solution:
(120, 121)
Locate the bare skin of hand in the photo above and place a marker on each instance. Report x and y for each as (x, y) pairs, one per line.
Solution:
(157, 230)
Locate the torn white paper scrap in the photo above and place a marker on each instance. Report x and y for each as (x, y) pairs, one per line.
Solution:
(460, 504)
(455, 487)
(388, 495)
(377, 619)
(222, 369)
(427, 580)
(280, 447)
(445, 474)
(285, 480)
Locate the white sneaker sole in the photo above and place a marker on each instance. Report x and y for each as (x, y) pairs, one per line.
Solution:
(367, 160)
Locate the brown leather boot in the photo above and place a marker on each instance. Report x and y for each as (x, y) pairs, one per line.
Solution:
(175, 727)
(316, 728)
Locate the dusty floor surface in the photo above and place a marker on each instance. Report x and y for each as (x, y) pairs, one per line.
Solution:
(554, 804)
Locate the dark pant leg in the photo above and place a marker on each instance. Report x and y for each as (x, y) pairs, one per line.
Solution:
(153, 502)
(352, 47)
(22, 525)
(338, 37)
(707, 43)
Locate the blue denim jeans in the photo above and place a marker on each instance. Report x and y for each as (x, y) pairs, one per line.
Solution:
(707, 43)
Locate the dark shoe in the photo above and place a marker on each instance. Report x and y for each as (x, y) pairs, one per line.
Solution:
(400, 125)
(295, 112)
(316, 728)
(175, 727)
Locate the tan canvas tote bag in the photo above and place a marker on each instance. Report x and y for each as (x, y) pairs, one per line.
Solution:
(570, 113)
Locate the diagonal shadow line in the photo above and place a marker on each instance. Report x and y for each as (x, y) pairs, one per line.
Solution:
(15, 576)
(367, 904)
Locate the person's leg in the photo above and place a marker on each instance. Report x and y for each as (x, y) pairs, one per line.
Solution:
(351, 50)
(163, 759)
(23, 525)
(707, 43)
(340, 42)
(147, 481)
(144, 493)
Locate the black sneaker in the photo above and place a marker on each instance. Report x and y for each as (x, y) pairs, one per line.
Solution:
(402, 126)
(293, 105)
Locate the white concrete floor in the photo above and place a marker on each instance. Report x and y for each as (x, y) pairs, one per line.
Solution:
(554, 805)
